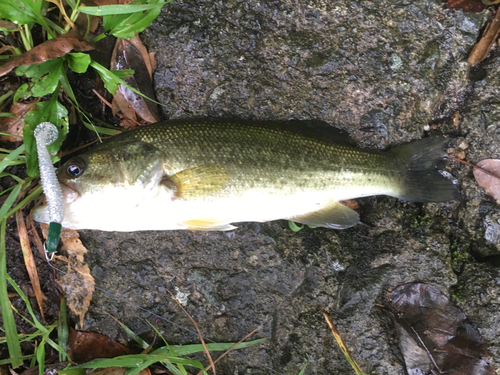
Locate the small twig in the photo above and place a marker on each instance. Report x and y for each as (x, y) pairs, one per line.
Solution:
(475, 166)
(212, 364)
(482, 48)
(102, 98)
(231, 348)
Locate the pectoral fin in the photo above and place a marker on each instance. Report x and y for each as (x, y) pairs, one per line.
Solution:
(198, 182)
(333, 215)
(207, 224)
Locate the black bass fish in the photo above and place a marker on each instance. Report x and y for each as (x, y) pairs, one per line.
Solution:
(207, 174)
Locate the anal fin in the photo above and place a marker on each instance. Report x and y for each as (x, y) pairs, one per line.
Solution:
(333, 215)
(207, 225)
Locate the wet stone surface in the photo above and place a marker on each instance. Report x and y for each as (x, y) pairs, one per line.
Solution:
(387, 72)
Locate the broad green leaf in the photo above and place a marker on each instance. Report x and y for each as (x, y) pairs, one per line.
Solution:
(7, 114)
(78, 62)
(7, 316)
(45, 76)
(51, 111)
(21, 11)
(22, 91)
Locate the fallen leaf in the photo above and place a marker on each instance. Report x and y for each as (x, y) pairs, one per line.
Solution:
(483, 47)
(133, 55)
(50, 49)
(146, 56)
(14, 125)
(434, 335)
(86, 346)
(77, 284)
(490, 182)
(467, 5)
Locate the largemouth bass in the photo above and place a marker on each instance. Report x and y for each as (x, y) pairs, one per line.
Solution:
(208, 174)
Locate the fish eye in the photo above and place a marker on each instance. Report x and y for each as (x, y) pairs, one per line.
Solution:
(75, 169)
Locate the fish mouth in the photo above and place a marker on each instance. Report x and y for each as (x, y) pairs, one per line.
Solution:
(69, 193)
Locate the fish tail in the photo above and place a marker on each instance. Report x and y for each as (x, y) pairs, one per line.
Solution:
(420, 177)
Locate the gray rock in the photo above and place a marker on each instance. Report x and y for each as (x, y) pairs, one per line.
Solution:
(383, 71)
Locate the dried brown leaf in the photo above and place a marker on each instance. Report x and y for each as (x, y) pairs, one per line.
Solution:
(490, 182)
(50, 49)
(146, 57)
(466, 5)
(14, 125)
(86, 346)
(9, 25)
(29, 261)
(434, 335)
(483, 47)
(77, 283)
(133, 106)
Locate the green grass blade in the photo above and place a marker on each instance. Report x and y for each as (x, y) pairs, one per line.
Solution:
(35, 321)
(10, 201)
(6, 96)
(62, 329)
(12, 135)
(181, 350)
(34, 195)
(9, 361)
(132, 335)
(303, 370)
(9, 158)
(40, 356)
(7, 315)
(110, 10)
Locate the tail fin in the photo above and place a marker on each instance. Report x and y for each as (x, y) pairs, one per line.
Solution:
(421, 180)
